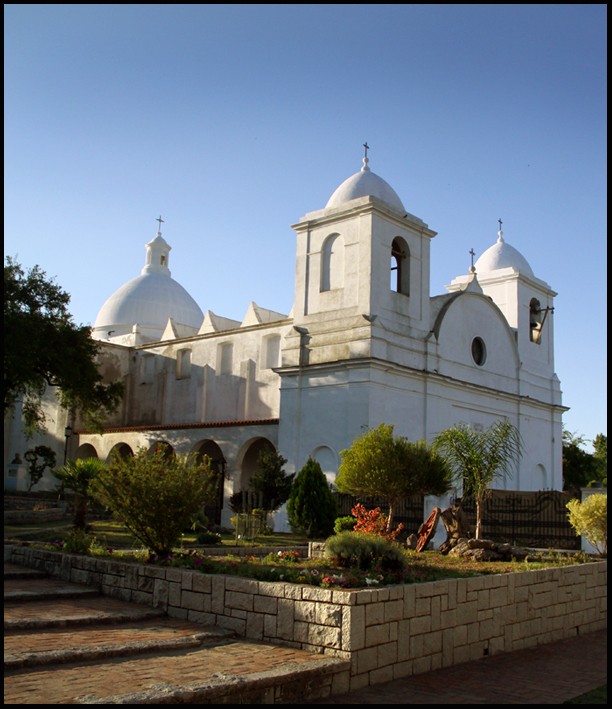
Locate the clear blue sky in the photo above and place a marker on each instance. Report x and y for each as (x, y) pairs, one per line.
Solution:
(233, 121)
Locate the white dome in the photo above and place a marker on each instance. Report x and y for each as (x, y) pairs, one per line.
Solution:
(148, 300)
(502, 255)
(364, 184)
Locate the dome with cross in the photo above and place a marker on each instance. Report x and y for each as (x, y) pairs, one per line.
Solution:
(502, 255)
(364, 184)
(144, 304)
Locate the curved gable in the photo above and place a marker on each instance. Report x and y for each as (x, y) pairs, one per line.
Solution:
(475, 343)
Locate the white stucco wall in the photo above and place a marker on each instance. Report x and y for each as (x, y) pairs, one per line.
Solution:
(353, 353)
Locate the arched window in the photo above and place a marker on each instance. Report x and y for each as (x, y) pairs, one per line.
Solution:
(332, 263)
(214, 504)
(328, 460)
(535, 321)
(120, 449)
(400, 266)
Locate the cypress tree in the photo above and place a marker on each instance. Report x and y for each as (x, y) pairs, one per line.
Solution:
(312, 507)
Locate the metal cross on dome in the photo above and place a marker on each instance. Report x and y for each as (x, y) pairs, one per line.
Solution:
(161, 221)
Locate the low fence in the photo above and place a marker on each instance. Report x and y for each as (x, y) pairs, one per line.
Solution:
(528, 519)
(531, 519)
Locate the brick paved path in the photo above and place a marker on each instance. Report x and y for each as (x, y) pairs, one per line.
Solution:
(548, 674)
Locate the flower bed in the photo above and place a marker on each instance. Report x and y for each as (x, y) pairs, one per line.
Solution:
(311, 566)
(385, 632)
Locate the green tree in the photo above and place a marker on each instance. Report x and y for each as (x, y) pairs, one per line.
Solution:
(480, 457)
(156, 495)
(381, 465)
(270, 481)
(600, 447)
(77, 476)
(579, 466)
(312, 507)
(39, 459)
(44, 348)
(590, 517)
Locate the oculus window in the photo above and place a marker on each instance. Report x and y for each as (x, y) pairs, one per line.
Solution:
(479, 351)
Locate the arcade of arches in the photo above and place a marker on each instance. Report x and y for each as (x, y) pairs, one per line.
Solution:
(246, 463)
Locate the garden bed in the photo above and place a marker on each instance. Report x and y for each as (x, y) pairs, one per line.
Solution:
(385, 632)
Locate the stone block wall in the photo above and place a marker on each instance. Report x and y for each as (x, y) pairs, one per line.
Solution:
(385, 633)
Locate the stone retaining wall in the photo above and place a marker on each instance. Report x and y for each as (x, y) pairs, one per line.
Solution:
(386, 633)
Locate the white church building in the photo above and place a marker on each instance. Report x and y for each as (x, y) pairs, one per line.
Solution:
(365, 342)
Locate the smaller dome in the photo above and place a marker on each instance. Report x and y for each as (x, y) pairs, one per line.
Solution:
(502, 255)
(365, 184)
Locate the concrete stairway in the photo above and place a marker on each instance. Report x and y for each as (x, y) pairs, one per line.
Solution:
(67, 644)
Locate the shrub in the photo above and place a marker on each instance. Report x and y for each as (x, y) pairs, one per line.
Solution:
(205, 536)
(344, 524)
(77, 541)
(374, 522)
(156, 495)
(590, 517)
(284, 555)
(312, 506)
(365, 551)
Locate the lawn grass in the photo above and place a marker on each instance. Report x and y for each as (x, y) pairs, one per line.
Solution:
(113, 539)
(113, 534)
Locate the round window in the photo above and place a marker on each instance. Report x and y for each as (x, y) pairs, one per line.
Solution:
(479, 351)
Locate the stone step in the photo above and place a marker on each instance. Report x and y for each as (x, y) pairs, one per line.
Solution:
(28, 588)
(50, 645)
(65, 647)
(74, 610)
(229, 672)
(13, 571)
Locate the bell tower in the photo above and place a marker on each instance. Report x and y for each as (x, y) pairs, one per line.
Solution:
(362, 273)
(526, 301)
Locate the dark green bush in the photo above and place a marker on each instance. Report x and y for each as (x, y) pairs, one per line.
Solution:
(205, 536)
(344, 524)
(365, 551)
(312, 506)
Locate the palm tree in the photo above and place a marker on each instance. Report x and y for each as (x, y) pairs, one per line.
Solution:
(480, 457)
(76, 475)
